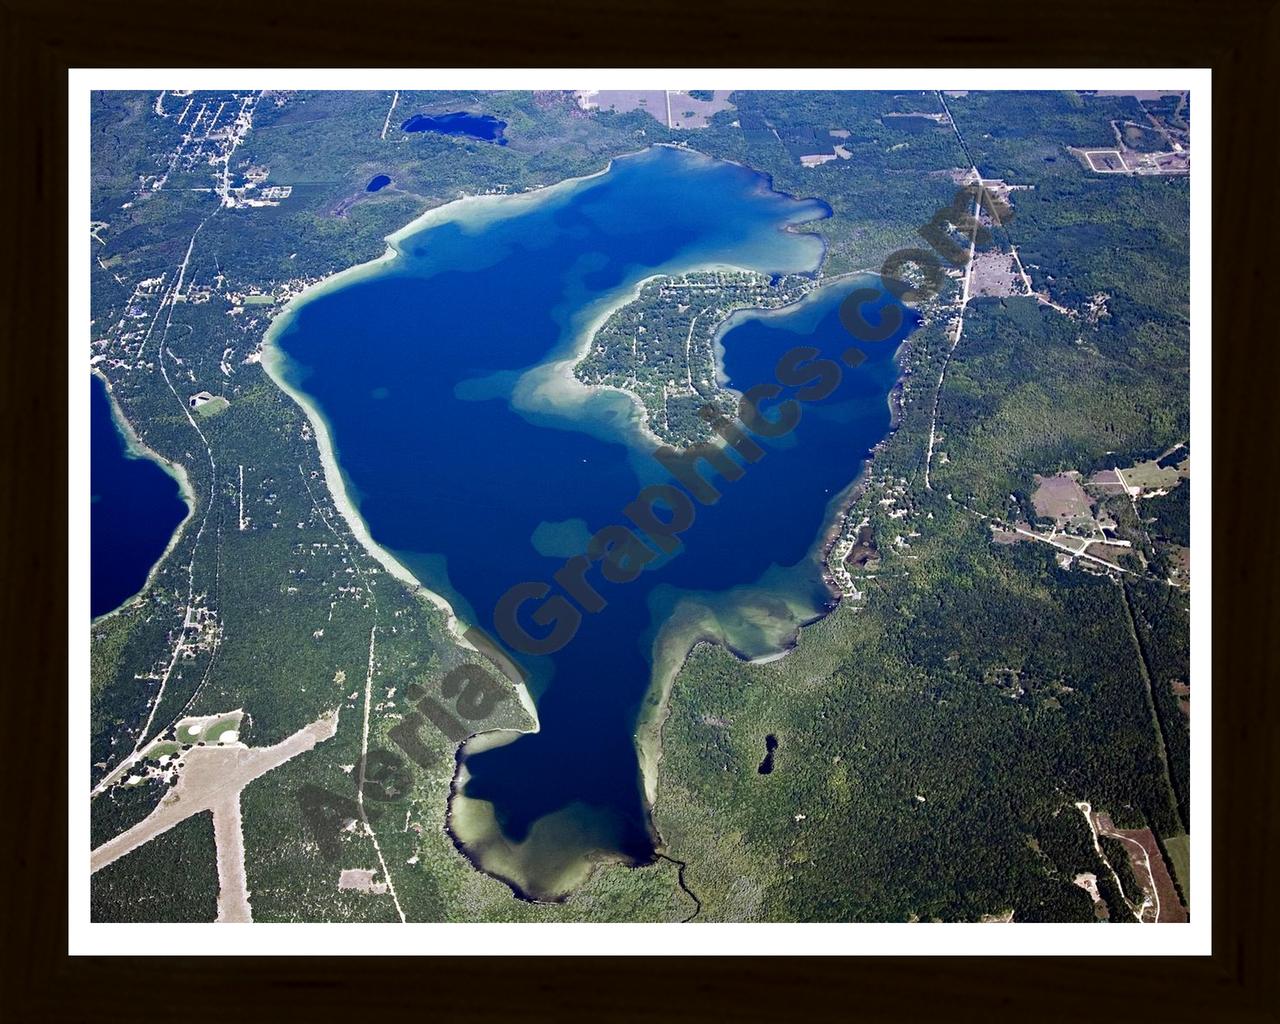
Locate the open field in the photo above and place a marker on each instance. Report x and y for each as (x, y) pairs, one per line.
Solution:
(1139, 94)
(1061, 498)
(211, 776)
(1149, 868)
(211, 408)
(995, 274)
(676, 109)
(1179, 848)
(691, 112)
(1151, 476)
(209, 728)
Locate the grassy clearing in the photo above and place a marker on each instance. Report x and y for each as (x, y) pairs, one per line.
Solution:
(207, 730)
(212, 407)
(1152, 476)
(214, 730)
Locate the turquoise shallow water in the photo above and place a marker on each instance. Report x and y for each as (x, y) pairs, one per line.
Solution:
(427, 374)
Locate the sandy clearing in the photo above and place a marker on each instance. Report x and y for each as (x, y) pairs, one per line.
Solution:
(1085, 808)
(211, 777)
(1061, 498)
(361, 880)
(228, 836)
(1149, 866)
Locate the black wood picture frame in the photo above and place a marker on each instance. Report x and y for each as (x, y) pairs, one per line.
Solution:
(1238, 39)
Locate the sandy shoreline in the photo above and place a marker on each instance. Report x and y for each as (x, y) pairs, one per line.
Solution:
(555, 385)
(556, 382)
(550, 387)
(342, 501)
(471, 209)
(655, 707)
(138, 447)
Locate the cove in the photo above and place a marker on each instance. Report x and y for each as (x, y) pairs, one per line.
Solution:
(444, 379)
(136, 507)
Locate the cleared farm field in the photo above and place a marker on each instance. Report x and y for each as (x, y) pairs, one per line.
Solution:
(1179, 848)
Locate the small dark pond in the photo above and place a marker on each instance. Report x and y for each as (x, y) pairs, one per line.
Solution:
(770, 745)
(476, 126)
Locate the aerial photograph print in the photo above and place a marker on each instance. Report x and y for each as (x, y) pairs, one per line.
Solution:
(689, 506)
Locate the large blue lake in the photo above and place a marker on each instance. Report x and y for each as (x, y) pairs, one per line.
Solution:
(136, 506)
(442, 378)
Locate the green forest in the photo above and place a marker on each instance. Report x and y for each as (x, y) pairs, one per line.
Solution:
(933, 734)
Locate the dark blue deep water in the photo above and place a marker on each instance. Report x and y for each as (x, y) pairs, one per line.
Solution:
(427, 373)
(475, 126)
(378, 181)
(136, 508)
